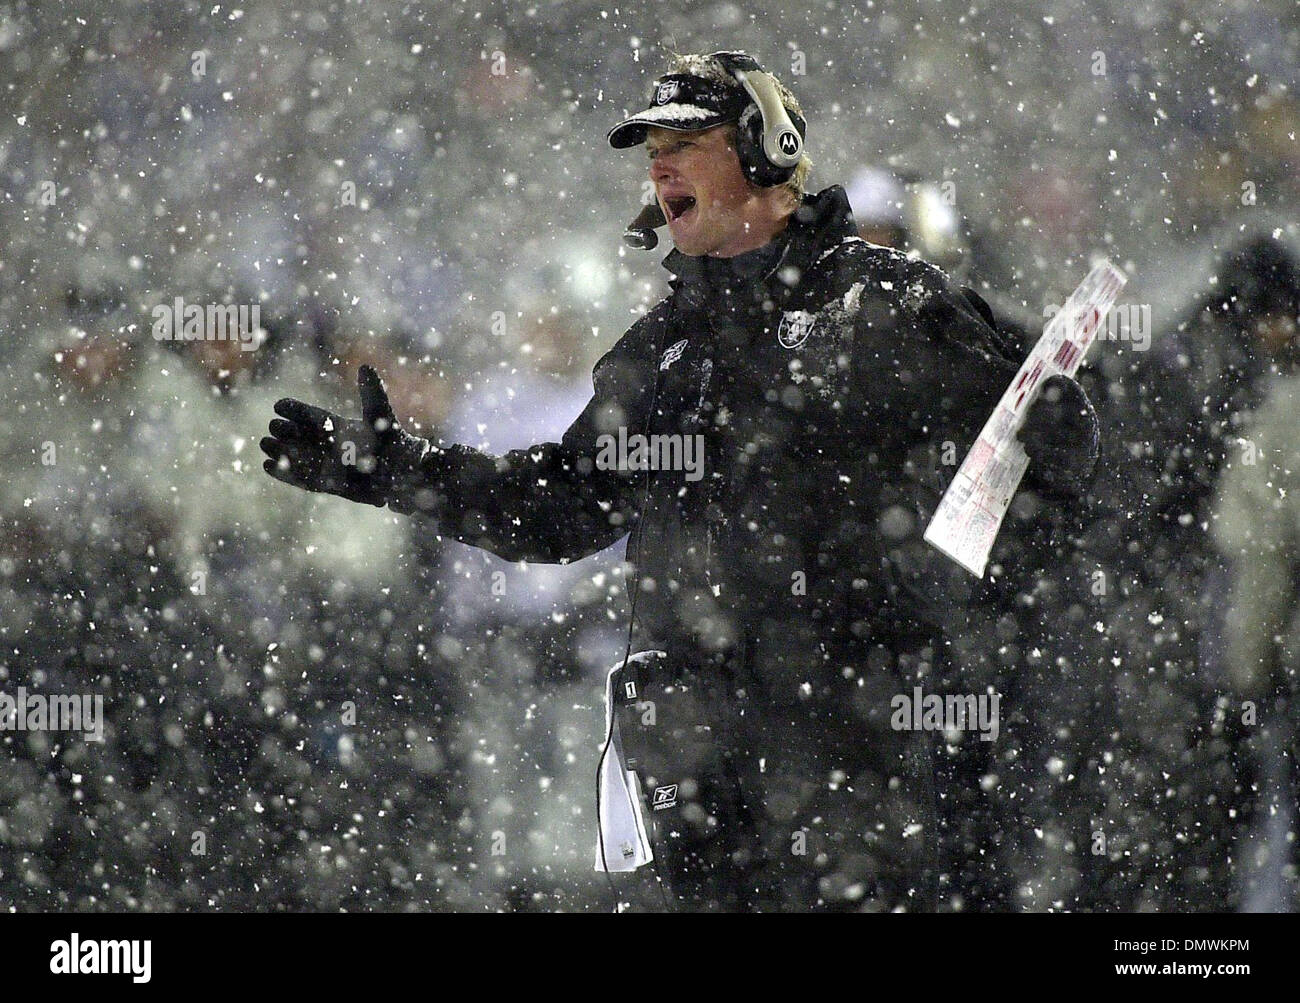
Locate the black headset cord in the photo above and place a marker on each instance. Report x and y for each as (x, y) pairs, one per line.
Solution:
(627, 651)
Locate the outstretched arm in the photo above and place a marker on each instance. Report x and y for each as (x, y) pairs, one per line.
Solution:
(548, 503)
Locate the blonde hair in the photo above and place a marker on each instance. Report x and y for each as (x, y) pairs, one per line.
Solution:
(710, 69)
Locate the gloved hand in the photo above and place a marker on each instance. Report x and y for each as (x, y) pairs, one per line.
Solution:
(363, 461)
(1061, 436)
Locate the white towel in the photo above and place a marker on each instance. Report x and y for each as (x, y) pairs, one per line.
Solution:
(622, 844)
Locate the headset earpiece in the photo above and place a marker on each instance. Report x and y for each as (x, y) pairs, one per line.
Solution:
(749, 148)
(769, 138)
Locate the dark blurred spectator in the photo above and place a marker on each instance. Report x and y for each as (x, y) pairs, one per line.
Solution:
(1135, 700)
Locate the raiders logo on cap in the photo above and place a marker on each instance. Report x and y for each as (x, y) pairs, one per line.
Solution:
(665, 92)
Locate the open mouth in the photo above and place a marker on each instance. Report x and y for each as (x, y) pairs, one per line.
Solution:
(678, 206)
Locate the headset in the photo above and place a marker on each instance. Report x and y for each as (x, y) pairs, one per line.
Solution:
(769, 142)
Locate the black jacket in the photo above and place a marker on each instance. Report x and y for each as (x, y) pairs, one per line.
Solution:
(836, 384)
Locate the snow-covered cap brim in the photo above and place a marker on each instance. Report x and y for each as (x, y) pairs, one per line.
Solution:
(683, 103)
(677, 117)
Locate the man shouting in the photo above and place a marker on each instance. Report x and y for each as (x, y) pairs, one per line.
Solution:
(782, 595)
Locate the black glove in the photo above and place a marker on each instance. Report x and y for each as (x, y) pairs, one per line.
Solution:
(1061, 436)
(364, 461)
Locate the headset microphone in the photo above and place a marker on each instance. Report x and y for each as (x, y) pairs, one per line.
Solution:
(640, 233)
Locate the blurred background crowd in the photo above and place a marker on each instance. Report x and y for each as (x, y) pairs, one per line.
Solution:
(317, 705)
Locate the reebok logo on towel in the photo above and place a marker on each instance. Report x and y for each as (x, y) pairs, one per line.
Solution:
(672, 353)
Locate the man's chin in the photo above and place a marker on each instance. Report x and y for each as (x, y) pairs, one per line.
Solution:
(688, 235)
(689, 243)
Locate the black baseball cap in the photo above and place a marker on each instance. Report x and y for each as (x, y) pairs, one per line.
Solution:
(684, 103)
